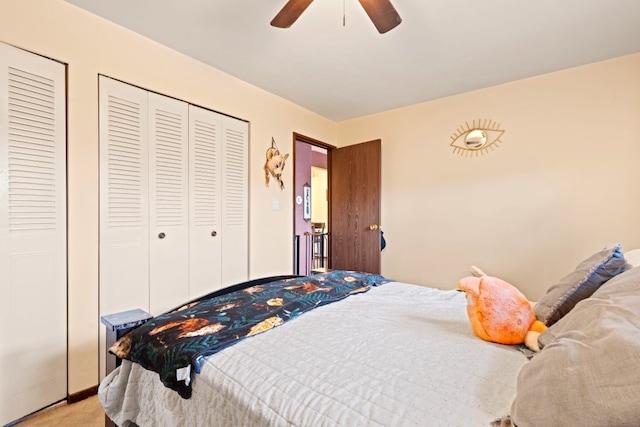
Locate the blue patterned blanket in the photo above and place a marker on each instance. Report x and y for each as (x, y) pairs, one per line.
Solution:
(175, 342)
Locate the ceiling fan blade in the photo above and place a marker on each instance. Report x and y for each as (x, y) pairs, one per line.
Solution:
(290, 13)
(382, 13)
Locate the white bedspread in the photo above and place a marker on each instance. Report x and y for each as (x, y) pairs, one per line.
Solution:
(398, 355)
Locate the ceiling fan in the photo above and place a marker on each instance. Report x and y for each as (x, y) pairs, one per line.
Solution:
(381, 12)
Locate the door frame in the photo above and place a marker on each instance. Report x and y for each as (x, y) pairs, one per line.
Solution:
(311, 141)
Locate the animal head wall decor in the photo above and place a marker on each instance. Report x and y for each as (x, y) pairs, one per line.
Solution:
(274, 165)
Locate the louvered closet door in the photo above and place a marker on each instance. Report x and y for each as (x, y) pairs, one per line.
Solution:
(168, 202)
(235, 201)
(33, 291)
(124, 210)
(205, 201)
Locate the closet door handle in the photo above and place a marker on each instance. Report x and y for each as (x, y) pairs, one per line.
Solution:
(214, 233)
(161, 236)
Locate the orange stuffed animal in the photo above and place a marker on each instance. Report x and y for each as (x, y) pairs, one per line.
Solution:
(499, 312)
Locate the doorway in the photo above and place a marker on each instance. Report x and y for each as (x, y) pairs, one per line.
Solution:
(311, 205)
(349, 187)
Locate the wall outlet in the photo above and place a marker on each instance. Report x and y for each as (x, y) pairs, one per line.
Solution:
(276, 204)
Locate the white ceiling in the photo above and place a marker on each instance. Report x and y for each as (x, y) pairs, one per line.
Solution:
(441, 48)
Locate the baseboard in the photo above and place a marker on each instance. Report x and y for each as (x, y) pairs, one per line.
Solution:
(81, 395)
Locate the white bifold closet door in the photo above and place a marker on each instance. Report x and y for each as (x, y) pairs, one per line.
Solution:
(218, 168)
(235, 201)
(205, 200)
(124, 204)
(168, 203)
(33, 275)
(144, 210)
(173, 200)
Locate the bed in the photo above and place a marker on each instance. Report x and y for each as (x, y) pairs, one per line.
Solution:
(398, 354)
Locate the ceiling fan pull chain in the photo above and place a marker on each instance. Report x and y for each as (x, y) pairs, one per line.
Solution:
(344, 14)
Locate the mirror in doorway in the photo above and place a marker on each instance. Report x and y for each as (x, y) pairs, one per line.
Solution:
(306, 213)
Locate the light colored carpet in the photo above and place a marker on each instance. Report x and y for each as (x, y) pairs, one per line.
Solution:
(86, 413)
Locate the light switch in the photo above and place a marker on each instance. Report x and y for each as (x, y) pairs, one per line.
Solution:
(276, 204)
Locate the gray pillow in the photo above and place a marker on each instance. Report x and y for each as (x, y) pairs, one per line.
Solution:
(587, 371)
(581, 283)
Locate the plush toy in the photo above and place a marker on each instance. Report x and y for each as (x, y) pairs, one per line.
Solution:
(499, 312)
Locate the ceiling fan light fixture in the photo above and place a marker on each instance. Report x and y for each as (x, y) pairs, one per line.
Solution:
(381, 12)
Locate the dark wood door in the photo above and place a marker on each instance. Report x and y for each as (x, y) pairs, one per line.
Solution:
(354, 211)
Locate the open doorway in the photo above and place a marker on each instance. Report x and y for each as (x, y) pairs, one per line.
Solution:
(349, 236)
(311, 205)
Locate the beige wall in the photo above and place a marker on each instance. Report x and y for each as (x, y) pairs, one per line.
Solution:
(561, 186)
(92, 46)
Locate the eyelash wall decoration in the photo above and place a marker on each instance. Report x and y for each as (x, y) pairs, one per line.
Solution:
(477, 138)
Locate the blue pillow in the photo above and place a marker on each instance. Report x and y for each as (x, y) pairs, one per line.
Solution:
(581, 283)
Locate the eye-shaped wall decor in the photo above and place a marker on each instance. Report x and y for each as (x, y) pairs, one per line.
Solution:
(477, 138)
